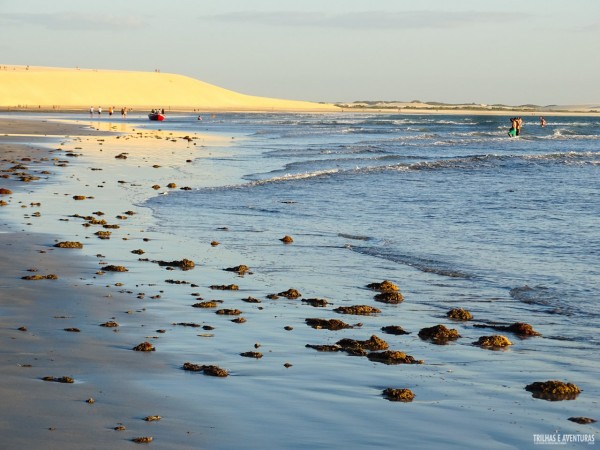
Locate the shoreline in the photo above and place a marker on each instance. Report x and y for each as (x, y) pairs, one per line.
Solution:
(35, 314)
(341, 110)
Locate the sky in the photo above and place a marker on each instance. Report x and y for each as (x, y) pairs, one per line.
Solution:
(461, 51)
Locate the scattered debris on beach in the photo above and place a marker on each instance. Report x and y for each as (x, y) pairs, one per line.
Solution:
(144, 347)
(64, 379)
(459, 314)
(214, 371)
(493, 342)
(439, 334)
(553, 390)
(358, 310)
(399, 395)
(69, 244)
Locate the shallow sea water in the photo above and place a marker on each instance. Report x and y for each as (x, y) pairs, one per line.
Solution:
(447, 207)
(454, 212)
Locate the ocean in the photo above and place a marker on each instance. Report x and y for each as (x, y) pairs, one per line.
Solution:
(446, 206)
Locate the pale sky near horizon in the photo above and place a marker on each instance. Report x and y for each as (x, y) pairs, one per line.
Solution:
(533, 51)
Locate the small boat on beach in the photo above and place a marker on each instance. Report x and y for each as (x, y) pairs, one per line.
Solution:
(156, 116)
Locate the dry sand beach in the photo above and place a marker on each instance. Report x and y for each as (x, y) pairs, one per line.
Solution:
(50, 88)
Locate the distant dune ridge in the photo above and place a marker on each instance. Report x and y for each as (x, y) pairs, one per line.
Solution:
(61, 88)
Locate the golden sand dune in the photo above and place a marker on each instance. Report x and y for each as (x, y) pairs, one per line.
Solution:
(48, 88)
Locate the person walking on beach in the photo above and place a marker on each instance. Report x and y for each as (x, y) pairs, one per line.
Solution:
(110, 111)
(91, 111)
(99, 111)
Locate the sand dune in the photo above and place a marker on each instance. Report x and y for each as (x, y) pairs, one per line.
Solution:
(48, 88)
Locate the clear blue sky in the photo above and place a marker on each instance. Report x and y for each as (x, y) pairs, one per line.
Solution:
(482, 51)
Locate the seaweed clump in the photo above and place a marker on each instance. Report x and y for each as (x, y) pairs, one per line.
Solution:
(394, 329)
(214, 371)
(398, 395)
(359, 310)
(553, 390)
(327, 324)
(112, 268)
(184, 264)
(459, 314)
(494, 342)
(69, 244)
(384, 286)
(240, 270)
(390, 297)
(439, 334)
(144, 347)
(392, 357)
(290, 293)
(66, 380)
(359, 348)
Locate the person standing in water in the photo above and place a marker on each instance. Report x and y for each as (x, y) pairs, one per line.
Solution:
(542, 122)
(513, 127)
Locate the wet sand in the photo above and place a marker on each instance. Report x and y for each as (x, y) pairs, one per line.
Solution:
(34, 315)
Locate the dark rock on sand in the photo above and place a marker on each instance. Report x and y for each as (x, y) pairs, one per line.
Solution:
(109, 324)
(69, 244)
(496, 341)
(553, 390)
(459, 314)
(327, 324)
(287, 239)
(394, 329)
(79, 197)
(139, 251)
(582, 420)
(73, 330)
(360, 310)
(214, 371)
(398, 395)
(4, 191)
(251, 300)
(141, 439)
(103, 234)
(439, 334)
(144, 347)
(393, 357)
(239, 320)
